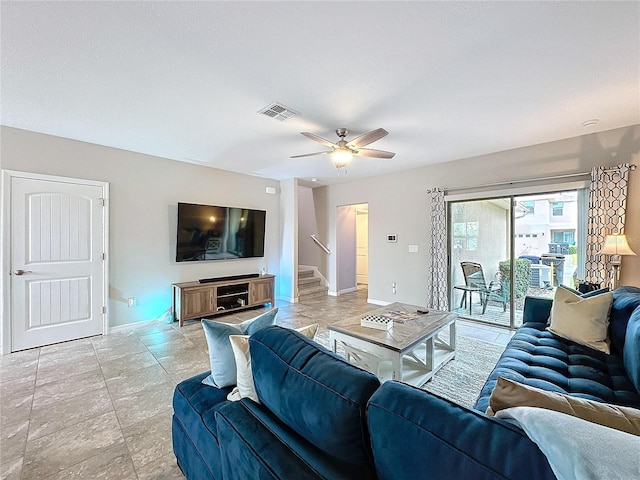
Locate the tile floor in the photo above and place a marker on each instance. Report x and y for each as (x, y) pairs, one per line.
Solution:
(100, 407)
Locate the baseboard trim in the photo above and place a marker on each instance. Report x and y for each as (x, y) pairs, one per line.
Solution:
(347, 290)
(131, 326)
(287, 299)
(378, 302)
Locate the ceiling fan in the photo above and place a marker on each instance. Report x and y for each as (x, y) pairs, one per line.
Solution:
(343, 151)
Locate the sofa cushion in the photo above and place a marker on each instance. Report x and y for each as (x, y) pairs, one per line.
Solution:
(536, 309)
(625, 301)
(187, 455)
(255, 444)
(508, 393)
(631, 350)
(584, 320)
(314, 392)
(538, 358)
(194, 407)
(415, 434)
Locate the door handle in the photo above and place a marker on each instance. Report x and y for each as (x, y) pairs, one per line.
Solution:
(22, 272)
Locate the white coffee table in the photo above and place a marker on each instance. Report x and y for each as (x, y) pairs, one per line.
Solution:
(414, 349)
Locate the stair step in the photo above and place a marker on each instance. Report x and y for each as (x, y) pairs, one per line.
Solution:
(305, 273)
(308, 281)
(310, 293)
(312, 289)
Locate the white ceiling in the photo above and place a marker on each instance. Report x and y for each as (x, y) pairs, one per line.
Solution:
(448, 80)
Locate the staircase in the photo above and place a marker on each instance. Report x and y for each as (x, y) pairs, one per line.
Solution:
(309, 286)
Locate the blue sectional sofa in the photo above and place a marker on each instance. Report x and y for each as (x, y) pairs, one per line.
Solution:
(320, 417)
(456, 442)
(310, 423)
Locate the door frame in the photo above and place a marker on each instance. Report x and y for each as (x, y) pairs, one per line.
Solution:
(5, 255)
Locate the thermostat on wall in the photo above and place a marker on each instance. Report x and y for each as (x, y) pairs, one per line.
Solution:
(392, 238)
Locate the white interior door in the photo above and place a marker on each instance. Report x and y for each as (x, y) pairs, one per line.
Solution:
(57, 260)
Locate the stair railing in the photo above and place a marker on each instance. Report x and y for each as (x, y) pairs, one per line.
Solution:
(321, 245)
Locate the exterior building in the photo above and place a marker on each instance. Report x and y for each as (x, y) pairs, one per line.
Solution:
(546, 224)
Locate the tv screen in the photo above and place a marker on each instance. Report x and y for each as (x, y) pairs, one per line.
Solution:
(207, 232)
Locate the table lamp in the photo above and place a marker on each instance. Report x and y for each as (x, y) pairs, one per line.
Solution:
(616, 245)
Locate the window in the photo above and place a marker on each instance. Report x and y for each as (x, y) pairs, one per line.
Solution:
(556, 209)
(530, 206)
(465, 235)
(564, 236)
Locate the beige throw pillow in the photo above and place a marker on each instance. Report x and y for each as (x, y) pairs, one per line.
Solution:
(309, 331)
(240, 345)
(582, 320)
(508, 393)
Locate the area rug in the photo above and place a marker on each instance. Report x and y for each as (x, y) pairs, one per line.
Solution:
(461, 379)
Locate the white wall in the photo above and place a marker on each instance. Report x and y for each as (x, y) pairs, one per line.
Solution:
(309, 253)
(398, 203)
(144, 194)
(145, 191)
(288, 286)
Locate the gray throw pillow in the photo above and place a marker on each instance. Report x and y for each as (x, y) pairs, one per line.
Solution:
(223, 364)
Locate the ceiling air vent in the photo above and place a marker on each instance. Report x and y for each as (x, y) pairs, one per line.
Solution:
(278, 111)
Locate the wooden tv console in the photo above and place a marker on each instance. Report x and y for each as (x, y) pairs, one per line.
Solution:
(201, 300)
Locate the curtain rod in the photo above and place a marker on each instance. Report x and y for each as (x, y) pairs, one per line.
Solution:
(539, 179)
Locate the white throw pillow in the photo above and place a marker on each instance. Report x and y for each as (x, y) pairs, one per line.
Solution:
(576, 448)
(240, 346)
(582, 320)
(234, 395)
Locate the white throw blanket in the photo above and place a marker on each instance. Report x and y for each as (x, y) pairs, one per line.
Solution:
(577, 449)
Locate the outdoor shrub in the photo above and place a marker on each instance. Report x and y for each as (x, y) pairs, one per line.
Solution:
(573, 250)
(522, 273)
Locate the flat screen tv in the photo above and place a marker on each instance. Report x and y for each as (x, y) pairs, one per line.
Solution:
(207, 232)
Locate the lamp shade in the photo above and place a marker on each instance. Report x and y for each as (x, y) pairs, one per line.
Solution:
(616, 245)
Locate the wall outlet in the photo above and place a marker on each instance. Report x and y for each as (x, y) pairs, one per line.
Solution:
(394, 288)
(413, 248)
(132, 301)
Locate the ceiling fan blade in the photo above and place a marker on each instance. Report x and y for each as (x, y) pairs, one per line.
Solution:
(369, 152)
(368, 138)
(318, 139)
(308, 154)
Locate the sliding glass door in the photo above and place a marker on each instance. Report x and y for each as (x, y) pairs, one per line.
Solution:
(503, 249)
(480, 248)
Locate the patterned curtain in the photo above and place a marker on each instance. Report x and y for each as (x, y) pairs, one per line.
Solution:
(437, 292)
(607, 208)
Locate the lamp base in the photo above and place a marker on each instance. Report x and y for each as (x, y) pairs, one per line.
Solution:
(615, 269)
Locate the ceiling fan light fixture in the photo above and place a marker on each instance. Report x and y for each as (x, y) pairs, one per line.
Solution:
(342, 151)
(341, 157)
